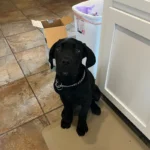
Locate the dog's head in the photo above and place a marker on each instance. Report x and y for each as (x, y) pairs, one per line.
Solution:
(68, 54)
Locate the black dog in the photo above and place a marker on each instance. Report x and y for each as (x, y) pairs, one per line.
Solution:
(74, 82)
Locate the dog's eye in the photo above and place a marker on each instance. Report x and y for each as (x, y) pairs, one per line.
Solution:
(78, 50)
(58, 48)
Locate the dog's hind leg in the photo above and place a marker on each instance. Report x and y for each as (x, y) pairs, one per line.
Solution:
(96, 93)
(95, 108)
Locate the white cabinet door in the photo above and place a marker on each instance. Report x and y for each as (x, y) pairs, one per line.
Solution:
(124, 65)
(143, 5)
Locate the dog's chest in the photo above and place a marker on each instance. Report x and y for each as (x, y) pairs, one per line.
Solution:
(75, 98)
(74, 95)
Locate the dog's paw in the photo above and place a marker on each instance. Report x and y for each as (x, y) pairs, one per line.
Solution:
(82, 129)
(65, 124)
(96, 111)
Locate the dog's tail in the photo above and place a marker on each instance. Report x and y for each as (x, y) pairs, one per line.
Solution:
(96, 93)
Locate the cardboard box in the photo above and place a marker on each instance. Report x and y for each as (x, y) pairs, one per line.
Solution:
(53, 29)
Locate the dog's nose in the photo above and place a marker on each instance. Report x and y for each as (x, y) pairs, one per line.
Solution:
(65, 61)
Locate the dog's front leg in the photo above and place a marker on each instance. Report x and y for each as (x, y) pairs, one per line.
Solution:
(67, 114)
(82, 127)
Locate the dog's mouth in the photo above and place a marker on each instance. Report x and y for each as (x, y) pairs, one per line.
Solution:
(65, 73)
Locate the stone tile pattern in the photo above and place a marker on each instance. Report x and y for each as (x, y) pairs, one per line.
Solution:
(16, 27)
(42, 85)
(26, 137)
(17, 104)
(9, 70)
(28, 102)
(33, 61)
(55, 115)
(24, 41)
(4, 48)
(39, 13)
(6, 6)
(12, 16)
(1, 34)
(22, 4)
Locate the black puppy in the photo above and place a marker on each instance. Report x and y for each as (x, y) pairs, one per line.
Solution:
(74, 82)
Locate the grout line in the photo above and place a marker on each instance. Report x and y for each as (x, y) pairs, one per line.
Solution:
(38, 73)
(42, 15)
(13, 21)
(47, 119)
(33, 91)
(13, 53)
(21, 32)
(52, 111)
(21, 78)
(28, 83)
(27, 49)
(6, 43)
(19, 10)
(44, 113)
(23, 124)
(2, 33)
(25, 77)
(13, 4)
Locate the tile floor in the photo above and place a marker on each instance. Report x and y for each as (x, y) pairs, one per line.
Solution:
(28, 102)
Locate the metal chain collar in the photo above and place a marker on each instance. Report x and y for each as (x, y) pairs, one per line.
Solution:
(61, 86)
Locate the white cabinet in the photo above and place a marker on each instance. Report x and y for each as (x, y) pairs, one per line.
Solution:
(124, 60)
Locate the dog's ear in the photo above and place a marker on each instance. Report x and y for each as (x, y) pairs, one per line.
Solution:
(52, 53)
(90, 56)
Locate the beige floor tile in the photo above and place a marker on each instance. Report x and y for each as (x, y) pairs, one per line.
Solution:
(1, 34)
(33, 61)
(106, 132)
(26, 137)
(39, 13)
(42, 85)
(46, 16)
(9, 70)
(59, 8)
(17, 27)
(74, 2)
(26, 40)
(16, 1)
(4, 48)
(56, 5)
(11, 16)
(67, 12)
(7, 6)
(54, 115)
(43, 2)
(35, 11)
(17, 104)
(27, 4)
